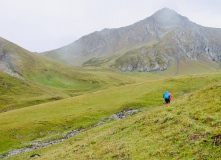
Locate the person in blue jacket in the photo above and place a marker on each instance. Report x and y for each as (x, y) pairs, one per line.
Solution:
(167, 96)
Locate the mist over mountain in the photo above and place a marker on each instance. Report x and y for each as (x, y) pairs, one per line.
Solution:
(153, 42)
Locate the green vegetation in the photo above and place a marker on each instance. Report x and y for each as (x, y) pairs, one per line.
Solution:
(151, 54)
(188, 128)
(44, 71)
(49, 119)
(185, 67)
(46, 80)
(131, 57)
(55, 98)
(16, 93)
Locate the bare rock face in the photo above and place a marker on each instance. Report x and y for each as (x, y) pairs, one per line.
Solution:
(5, 69)
(183, 42)
(5, 65)
(173, 35)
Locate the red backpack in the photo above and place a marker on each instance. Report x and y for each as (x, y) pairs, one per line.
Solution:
(170, 96)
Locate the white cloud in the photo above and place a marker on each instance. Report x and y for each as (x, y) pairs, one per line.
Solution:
(40, 25)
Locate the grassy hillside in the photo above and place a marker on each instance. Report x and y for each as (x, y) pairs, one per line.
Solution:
(16, 93)
(71, 81)
(188, 128)
(42, 70)
(37, 68)
(186, 67)
(51, 119)
(46, 79)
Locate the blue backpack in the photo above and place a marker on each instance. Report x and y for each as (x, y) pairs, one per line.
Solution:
(166, 95)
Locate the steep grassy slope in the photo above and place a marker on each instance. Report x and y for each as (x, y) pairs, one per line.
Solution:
(16, 93)
(51, 119)
(42, 70)
(188, 128)
(44, 73)
(39, 69)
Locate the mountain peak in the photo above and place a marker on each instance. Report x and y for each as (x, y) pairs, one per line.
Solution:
(168, 16)
(165, 9)
(165, 12)
(181, 34)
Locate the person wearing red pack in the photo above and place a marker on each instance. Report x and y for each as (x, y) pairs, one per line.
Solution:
(167, 96)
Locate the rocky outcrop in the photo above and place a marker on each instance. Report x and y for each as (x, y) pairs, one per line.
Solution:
(193, 42)
(5, 69)
(5, 64)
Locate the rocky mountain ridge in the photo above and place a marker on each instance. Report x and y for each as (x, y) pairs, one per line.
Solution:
(178, 45)
(186, 39)
(110, 41)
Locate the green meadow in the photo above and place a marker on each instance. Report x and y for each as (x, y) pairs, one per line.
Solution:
(101, 96)
(54, 99)
(188, 128)
(48, 121)
(46, 80)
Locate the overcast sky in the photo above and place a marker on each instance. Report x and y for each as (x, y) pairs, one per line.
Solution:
(42, 25)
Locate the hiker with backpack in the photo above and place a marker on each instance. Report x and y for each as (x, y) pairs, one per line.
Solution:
(167, 96)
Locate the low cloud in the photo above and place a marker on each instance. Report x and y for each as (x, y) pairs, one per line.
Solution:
(39, 25)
